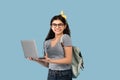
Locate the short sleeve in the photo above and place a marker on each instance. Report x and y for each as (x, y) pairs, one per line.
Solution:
(67, 40)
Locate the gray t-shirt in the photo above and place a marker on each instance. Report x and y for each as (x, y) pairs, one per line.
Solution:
(57, 52)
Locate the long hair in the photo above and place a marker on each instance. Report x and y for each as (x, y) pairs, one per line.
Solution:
(51, 34)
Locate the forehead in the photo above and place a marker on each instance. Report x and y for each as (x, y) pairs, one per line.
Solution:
(57, 21)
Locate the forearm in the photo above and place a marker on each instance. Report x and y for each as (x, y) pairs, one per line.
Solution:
(61, 61)
(66, 60)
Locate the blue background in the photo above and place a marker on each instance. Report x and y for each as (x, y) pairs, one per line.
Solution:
(94, 26)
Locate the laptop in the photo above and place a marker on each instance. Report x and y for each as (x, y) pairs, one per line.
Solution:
(29, 48)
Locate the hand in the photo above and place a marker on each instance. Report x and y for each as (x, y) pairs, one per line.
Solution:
(46, 59)
(32, 59)
(39, 60)
(29, 58)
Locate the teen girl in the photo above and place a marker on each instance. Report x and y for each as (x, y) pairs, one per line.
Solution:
(58, 57)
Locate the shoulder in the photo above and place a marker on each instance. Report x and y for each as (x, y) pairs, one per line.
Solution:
(66, 40)
(66, 36)
(46, 42)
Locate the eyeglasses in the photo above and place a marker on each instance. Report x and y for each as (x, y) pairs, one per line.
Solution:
(59, 25)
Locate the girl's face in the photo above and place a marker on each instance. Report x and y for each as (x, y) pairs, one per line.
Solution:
(58, 27)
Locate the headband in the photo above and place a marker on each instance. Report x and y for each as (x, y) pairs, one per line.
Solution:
(63, 15)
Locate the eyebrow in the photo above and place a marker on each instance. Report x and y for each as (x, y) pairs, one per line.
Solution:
(57, 23)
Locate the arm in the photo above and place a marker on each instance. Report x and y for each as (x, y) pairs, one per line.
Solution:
(66, 60)
(46, 64)
(39, 61)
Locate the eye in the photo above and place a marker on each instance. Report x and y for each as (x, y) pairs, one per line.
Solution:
(60, 24)
(57, 25)
(54, 24)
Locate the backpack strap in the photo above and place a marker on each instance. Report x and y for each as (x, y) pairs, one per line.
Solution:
(61, 41)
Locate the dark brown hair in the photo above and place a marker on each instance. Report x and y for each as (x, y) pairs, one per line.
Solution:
(51, 34)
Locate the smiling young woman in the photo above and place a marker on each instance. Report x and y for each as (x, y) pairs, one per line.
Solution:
(57, 58)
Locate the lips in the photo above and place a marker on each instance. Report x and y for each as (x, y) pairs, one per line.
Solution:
(57, 30)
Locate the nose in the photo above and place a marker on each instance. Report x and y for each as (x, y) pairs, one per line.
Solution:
(57, 26)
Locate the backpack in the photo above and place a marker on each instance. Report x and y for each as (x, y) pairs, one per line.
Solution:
(77, 60)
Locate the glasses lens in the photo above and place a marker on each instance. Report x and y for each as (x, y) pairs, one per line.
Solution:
(59, 25)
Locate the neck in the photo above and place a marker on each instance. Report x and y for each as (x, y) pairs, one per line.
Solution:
(58, 36)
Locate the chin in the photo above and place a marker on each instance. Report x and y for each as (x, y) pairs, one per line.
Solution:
(58, 33)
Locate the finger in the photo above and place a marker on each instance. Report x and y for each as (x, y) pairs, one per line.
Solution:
(29, 58)
(37, 59)
(44, 60)
(46, 55)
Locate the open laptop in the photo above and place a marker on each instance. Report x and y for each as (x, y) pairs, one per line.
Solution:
(29, 48)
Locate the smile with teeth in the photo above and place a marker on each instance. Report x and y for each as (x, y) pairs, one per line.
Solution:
(57, 30)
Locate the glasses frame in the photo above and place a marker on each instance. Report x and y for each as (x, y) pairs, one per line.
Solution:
(60, 25)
